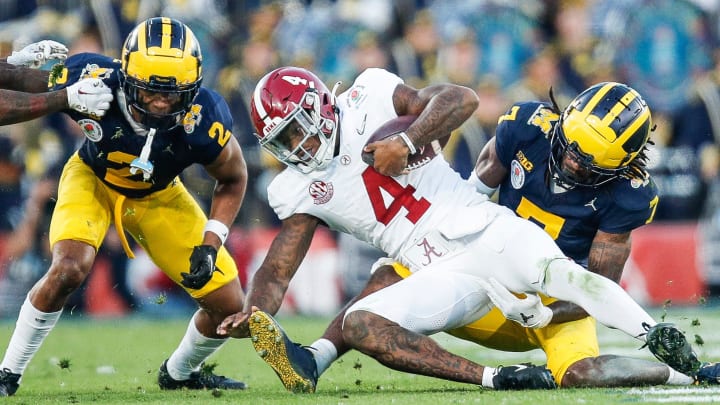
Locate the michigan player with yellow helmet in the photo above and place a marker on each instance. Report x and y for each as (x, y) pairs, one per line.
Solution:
(579, 174)
(126, 172)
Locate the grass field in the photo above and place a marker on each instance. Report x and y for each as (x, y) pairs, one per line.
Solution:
(116, 361)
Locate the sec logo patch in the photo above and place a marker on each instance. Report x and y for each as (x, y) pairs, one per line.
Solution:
(320, 192)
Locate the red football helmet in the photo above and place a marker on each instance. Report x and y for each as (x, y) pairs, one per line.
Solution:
(291, 94)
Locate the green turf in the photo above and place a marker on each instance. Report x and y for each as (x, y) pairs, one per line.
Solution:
(116, 362)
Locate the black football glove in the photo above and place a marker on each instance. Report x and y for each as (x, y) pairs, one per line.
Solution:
(202, 266)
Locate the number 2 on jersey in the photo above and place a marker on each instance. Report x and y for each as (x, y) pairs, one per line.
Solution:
(402, 197)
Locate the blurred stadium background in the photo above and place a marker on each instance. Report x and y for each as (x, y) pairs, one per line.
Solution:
(507, 50)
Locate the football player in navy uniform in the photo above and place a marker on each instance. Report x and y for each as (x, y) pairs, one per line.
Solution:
(126, 173)
(580, 175)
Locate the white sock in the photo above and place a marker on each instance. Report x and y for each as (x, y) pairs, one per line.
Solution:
(192, 351)
(31, 328)
(325, 353)
(678, 378)
(487, 377)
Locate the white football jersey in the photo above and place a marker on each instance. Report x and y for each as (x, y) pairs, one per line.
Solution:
(350, 196)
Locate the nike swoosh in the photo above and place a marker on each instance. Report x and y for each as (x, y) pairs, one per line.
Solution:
(361, 130)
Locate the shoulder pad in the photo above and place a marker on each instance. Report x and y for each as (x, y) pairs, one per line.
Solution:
(633, 194)
(526, 118)
(86, 65)
(208, 109)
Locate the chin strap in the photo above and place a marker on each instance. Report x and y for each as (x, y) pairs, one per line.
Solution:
(334, 90)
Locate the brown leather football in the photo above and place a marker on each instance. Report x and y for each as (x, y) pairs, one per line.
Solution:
(394, 126)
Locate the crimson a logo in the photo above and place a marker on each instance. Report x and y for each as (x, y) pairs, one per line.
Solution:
(320, 191)
(429, 251)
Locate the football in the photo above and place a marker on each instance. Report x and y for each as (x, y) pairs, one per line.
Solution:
(394, 126)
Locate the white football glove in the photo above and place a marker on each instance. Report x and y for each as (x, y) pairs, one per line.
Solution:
(528, 312)
(36, 54)
(89, 96)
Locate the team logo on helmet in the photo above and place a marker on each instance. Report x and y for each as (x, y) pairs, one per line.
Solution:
(517, 174)
(92, 129)
(320, 191)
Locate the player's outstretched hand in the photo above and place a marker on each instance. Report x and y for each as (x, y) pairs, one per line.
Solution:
(236, 325)
(528, 312)
(38, 53)
(89, 96)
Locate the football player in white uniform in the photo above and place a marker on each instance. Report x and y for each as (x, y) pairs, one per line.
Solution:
(461, 247)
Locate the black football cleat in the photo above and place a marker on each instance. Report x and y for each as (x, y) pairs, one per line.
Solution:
(523, 377)
(198, 380)
(8, 382)
(669, 345)
(293, 363)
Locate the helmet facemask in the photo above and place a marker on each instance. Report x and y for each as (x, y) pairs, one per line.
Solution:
(594, 176)
(308, 121)
(182, 95)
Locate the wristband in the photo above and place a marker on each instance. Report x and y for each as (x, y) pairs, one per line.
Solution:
(407, 141)
(480, 186)
(218, 228)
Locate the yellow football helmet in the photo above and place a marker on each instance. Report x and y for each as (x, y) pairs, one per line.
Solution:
(604, 129)
(161, 55)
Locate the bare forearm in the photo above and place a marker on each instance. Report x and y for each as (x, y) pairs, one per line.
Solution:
(230, 171)
(608, 258)
(23, 79)
(266, 292)
(286, 252)
(18, 107)
(227, 200)
(226, 203)
(446, 108)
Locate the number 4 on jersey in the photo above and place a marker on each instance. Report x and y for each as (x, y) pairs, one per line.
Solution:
(402, 197)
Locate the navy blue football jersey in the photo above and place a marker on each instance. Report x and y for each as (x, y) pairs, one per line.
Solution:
(572, 217)
(111, 143)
